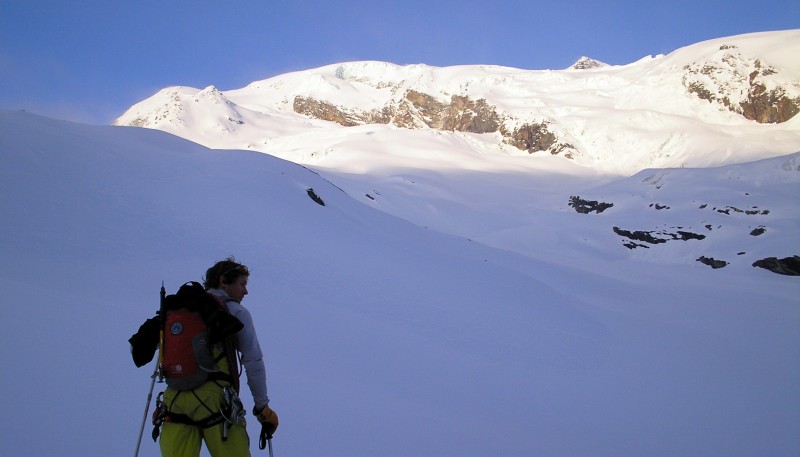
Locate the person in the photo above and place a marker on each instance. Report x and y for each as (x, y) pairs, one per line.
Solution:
(226, 280)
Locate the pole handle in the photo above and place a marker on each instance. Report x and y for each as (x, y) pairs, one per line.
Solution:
(265, 438)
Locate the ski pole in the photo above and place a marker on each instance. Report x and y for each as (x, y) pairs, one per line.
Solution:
(157, 371)
(146, 410)
(265, 439)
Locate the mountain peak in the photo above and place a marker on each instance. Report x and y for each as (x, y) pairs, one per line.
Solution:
(587, 63)
(212, 95)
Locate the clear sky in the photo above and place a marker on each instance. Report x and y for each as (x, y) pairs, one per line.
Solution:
(89, 60)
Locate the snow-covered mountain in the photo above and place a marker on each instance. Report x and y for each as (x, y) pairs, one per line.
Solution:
(469, 260)
(599, 328)
(483, 152)
(726, 100)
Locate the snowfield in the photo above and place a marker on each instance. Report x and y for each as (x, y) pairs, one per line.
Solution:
(448, 299)
(383, 337)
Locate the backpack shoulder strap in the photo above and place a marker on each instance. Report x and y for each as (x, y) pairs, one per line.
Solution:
(231, 325)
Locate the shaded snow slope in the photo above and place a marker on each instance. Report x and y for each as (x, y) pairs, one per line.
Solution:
(382, 337)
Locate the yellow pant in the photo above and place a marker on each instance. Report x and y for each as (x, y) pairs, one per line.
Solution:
(181, 440)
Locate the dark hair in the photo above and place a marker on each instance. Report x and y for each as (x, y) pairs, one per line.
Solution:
(228, 270)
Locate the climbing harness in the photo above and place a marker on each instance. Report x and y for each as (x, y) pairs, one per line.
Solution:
(231, 410)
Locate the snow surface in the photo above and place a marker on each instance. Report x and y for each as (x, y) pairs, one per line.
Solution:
(489, 318)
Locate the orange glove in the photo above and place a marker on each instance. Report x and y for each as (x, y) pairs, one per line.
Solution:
(268, 418)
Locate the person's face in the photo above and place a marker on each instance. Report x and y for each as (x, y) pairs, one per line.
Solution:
(236, 289)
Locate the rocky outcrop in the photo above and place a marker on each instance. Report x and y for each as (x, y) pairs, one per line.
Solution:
(587, 206)
(754, 211)
(313, 196)
(535, 137)
(460, 114)
(746, 86)
(639, 235)
(475, 116)
(326, 111)
(586, 63)
(769, 106)
(418, 110)
(647, 239)
(712, 262)
(658, 237)
(789, 266)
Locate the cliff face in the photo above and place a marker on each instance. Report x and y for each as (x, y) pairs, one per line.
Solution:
(459, 114)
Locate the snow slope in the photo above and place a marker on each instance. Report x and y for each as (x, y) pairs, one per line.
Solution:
(386, 338)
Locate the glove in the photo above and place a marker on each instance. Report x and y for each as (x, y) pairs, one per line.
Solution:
(268, 419)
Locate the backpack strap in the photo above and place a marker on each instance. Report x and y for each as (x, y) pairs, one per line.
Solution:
(230, 350)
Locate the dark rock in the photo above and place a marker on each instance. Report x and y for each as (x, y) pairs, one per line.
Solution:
(758, 231)
(315, 197)
(647, 237)
(682, 235)
(587, 206)
(713, 263)
(632, 245)
(789, 266)
(750, 212)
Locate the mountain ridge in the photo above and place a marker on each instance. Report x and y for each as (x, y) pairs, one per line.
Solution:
(654, 112)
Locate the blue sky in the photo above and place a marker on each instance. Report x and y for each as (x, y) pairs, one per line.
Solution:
(88, 61)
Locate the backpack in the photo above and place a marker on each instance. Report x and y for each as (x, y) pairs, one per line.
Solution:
(197, 330)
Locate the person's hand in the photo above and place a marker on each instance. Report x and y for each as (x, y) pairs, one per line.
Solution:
(268, 418)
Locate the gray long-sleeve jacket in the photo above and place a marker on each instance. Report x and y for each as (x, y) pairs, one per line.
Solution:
(251, 356)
